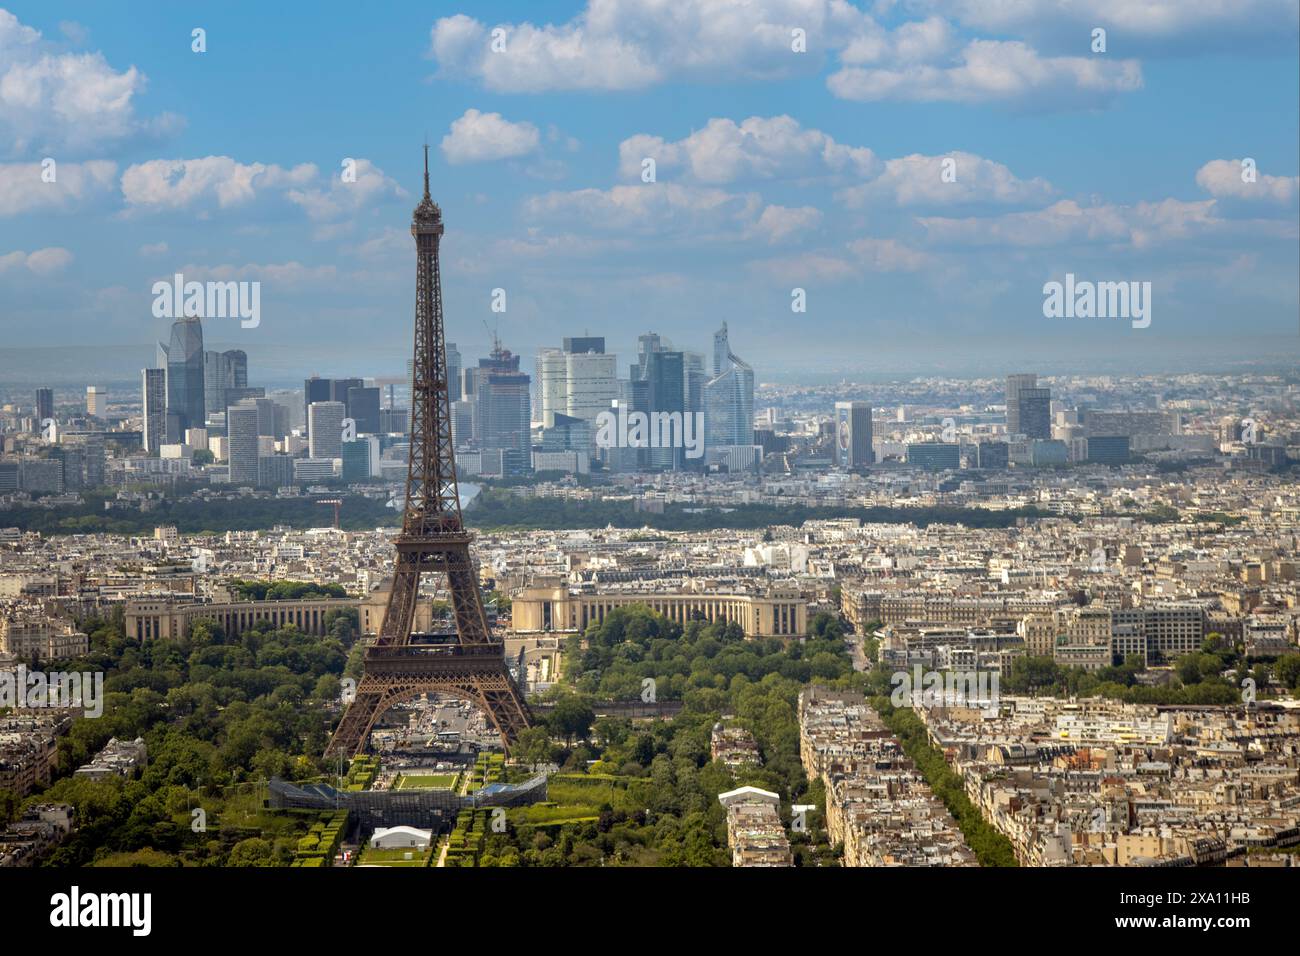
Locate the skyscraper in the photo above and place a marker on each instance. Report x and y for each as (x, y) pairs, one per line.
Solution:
(154, 406)
(223, 372)
(325, 429)
(453, 372)
(44, 405)
(664, 393)
(577, 382)
(339, 389)
(578, 344)
(729, 398)
(1035, 412)
(552, 384)
(363, 408)
(505, 410)
(853, 435)
(185, 400)
(242, 434)
(314, 389)
(590, 382)
(1014, 384)
(95, 401)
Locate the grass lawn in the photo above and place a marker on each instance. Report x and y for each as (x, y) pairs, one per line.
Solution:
(395, 857)
(426, 781)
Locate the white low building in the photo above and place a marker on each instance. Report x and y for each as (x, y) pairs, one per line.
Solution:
(399, 838)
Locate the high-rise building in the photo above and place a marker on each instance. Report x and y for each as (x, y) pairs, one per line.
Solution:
(94, 401)
(580, 344)
(241, 442)
(44, 405)
(83, 459)
(325, 429)
(454, 364)
(578, 381)
(184, 362)
(729, 399)
(663, 392)
(154, 407)
(853, 435)
(552, 383)
(222, 372)
(1014, 384)
(339, 389)
(360, 458)
(469, 383)
(394, 421)
(568, 434)
(591, 382)
(1035, 413)
(696, 376)
(462, 423)
(505, 410)
(314, 389)
(363, 408)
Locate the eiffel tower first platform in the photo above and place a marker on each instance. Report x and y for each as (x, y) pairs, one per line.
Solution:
(400, 665)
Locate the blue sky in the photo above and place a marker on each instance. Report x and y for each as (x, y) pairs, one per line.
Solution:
(775, 170)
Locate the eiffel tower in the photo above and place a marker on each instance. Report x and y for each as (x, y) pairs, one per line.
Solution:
(469, 663)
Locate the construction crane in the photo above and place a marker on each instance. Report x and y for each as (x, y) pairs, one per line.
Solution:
(337, 503)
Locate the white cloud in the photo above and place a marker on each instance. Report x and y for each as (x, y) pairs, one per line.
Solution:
(1139, 225)
(916, 179)
(51, 100)
(669, 211)
(654, 209)
(860, 256)
(913, 42)
(346, 197)
(154, 249)
(1222, 178)
(633, 44)
(992, 70)
(1148, 19)
(887, 255)
(805, 267)
(482, 137)
(23, 190)
(778, 223)
(179, 184)
(42, 262)
(757, 148)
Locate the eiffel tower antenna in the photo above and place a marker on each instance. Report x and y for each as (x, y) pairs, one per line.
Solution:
(470, 662)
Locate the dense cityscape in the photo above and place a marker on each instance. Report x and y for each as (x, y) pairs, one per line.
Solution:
(1119, 554)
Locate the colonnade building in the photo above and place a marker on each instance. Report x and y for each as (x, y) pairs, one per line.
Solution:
(779, 611)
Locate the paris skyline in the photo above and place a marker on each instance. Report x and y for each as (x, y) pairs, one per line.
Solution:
(774, 170)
